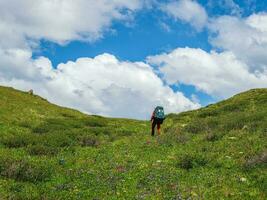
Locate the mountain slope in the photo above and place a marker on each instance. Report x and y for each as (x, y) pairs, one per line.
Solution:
(50, 152)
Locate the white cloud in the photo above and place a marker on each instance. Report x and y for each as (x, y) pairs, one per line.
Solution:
(217, 74)
(101, 85)
(246, 38)
(241, 65)
(188, 11)
(60, 21)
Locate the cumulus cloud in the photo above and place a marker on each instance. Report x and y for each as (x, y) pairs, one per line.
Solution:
(60, 21)
(188, 11)
(246, 38)
(238, 61)
(218, 74)
(101, 85)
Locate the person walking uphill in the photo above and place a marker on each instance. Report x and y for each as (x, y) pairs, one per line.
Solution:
(157, 118)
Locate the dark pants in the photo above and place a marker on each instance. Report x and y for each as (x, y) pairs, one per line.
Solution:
(155, 122)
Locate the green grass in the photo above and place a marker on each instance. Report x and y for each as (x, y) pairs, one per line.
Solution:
(50, 152)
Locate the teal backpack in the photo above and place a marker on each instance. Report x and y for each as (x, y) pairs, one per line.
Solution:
(159, 112)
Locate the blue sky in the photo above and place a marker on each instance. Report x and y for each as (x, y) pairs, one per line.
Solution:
(156, 35)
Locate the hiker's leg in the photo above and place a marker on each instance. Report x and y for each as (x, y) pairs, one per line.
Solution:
(158, 127)
(153, 128)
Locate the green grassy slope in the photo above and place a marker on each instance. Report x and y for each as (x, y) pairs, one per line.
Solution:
(50, 152)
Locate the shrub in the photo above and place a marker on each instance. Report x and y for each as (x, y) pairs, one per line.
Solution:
(67, 115)
(92, 122)
(196, 126)
(259, 159)
(236, 121)
(58, 139)
(186, 162)
(208, 113)
(171, 139)
(232, 108)
(40, 129)
(25, 124)
(212, 123)
(19, 140)
(107, 130)
(57, 124)
(211, 137)
(189, 161)
(42, 150)
(123, 132)
(89, 140)
(21, 191)
(24, 169)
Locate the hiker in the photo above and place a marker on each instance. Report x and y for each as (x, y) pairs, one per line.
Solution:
(157, 118)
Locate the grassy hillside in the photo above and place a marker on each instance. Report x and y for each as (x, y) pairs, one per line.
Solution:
(50, 152)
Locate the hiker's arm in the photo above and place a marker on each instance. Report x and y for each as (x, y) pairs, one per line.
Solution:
(152, 117)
